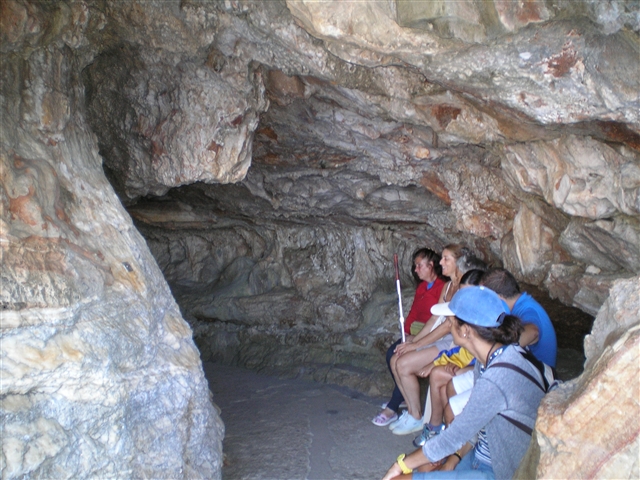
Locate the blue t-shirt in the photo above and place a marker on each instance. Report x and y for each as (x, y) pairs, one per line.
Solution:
(529, 311)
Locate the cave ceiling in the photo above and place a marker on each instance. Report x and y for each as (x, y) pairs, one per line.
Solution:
(514, 129)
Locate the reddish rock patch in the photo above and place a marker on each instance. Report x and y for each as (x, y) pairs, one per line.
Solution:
(445, 114)
(619, 132)
(213, 147)
(559, 65)
(431, 182)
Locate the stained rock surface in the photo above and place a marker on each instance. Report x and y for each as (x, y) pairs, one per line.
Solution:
(275, 155)
(568, 445)
(100, 375)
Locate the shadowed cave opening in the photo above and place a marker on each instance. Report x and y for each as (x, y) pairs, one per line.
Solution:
(353, 359)
(282, 348)
(266, 354)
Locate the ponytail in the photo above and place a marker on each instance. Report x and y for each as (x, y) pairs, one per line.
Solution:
(507, 333)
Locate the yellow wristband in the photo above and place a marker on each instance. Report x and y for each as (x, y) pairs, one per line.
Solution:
(406, 470)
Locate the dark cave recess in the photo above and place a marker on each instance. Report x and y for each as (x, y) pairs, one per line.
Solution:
(571, 324)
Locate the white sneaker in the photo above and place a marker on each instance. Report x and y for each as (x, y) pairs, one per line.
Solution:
(400, 407)
(409, 425)
(400, 420)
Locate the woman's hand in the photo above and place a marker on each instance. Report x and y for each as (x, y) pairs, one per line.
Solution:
(425, 371)
(450, 464)
(451, 369)
(405, 348)
(393, 472)
(431, 467)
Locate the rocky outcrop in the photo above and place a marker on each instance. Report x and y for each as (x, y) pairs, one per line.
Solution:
(275, 155)
(588, 428)
(556, 181)
(166, 118)
(100, 375)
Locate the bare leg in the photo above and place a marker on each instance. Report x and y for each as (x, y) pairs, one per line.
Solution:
(448, 415)
(438, 383)
(451, 390)
(407, 368)
(394, 370)
(396, 375)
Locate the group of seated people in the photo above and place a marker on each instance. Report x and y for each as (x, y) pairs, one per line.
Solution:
(482, 344)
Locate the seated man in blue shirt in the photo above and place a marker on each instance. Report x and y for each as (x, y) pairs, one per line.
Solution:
(539, 334)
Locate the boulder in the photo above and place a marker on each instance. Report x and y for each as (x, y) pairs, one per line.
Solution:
(588, 427)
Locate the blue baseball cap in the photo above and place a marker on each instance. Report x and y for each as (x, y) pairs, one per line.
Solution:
(479, 306)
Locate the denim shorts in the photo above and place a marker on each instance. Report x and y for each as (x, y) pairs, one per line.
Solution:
(468, 469)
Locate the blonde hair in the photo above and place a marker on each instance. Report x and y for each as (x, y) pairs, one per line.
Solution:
(456, 250)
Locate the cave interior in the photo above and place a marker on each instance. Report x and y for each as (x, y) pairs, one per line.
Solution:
(229, 180)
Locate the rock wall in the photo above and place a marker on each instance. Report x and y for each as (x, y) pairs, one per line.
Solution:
(100, 375)
(568, 442)
(306, 301)
(275, 155)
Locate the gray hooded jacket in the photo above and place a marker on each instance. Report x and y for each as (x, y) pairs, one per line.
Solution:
(497, 390)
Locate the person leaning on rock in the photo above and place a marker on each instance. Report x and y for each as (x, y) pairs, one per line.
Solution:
(538, 336)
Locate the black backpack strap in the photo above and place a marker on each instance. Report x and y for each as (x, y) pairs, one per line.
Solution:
(541, 366)
(525, 428)
(513, 367)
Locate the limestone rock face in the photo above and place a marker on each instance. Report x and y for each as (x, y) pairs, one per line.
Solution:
(100, 375)
(569, 442)
(581, 177)
(165, 120)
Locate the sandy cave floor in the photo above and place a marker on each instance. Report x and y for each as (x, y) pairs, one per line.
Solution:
(297, 429)
(284, 429)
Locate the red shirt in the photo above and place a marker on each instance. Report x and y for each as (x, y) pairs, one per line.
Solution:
(424, 299)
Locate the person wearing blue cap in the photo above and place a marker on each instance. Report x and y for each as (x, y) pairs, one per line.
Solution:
(503, 404)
